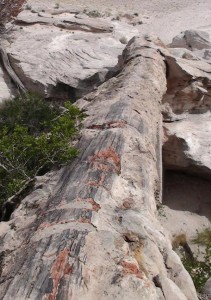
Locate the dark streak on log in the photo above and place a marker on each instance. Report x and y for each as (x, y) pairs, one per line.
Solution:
(49, 265)
(7, 66)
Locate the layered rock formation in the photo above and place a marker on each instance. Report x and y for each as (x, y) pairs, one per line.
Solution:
(90, 230)
(187, 139)
(187, 105)
(64, 54)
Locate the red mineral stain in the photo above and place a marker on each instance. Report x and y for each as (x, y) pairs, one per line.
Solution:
(128, 203)
(45, 225)
(108, 125)
(131, 269)
(60, 268)
(95, 206)
(106, 160)
(84, 220)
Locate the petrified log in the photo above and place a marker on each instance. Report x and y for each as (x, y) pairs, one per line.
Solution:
(90, 231)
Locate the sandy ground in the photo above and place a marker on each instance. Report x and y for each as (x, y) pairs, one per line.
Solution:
(186, 206)
(166, 18)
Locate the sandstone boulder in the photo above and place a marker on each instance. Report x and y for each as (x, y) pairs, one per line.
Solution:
(189, 85)
(188, 145)
(64, 56)
(186, 111)
(193, 39)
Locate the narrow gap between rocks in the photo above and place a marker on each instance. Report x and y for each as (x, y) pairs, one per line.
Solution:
(185, 213)
(183, 192)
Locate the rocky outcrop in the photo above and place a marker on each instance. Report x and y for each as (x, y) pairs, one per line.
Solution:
(198, 42)
(8, 10)
(90, 231)
(193, 39)
(189, 86)
(186, 112)
(188, 145)
(64, 54)
(187, 140)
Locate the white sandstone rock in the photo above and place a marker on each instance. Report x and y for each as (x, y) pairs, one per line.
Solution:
(193, 39)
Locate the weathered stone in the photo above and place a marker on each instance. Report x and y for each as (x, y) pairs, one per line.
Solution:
(95, 235)
(9, 9)
(5, 86)
(65, 20)
(207, 288)
(189, 85)
(193, 39)
(68, 62)
(186, 111)
(187, 145)
(187, 142)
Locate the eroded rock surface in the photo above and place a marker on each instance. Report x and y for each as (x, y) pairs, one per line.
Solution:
(187, 140)
(65, 55)
(198, 39)
(188, 145)
(6, 87)
(187, 105)
(90, 231)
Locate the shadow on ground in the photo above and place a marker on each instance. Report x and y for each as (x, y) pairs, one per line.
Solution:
(187, 193)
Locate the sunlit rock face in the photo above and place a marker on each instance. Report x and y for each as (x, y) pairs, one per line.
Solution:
(187, 106)
(64, 54)
(91, 230)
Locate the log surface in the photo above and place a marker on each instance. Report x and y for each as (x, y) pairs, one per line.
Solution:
(90, 231)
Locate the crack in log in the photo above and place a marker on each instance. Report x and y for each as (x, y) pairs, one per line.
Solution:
(157, 283)
(109, 125)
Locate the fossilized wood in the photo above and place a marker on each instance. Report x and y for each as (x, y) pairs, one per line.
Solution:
(6, 63)
(91, 231)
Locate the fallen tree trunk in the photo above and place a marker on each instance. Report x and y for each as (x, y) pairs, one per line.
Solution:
(90, 231)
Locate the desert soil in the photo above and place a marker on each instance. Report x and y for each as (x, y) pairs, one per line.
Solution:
(166, 18)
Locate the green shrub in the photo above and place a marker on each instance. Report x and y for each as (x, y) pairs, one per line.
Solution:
(200, 270)
(204, 238)
(35, 135)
